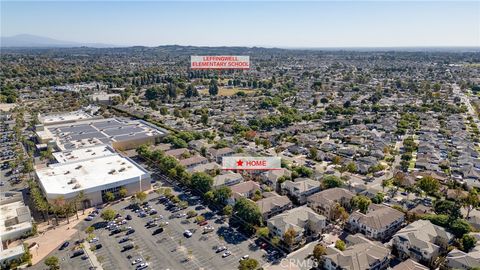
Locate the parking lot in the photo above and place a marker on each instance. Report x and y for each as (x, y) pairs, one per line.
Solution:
(171, 249)
(67, 262)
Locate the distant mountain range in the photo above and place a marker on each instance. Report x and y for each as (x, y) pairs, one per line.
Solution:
(32, 41)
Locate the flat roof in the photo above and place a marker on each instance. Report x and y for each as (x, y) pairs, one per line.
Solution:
(83, 153)
(90, 175)
(12, 210)
(101, 131)
(64, 117)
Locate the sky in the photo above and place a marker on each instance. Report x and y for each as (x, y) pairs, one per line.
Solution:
(249, 23)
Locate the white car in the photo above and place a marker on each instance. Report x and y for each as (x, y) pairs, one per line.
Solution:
(138, 260)
(187, 233)
(208, 228)
(244, 257)
(93, 240)
(226, 254)
(220, 249)
(142, 265)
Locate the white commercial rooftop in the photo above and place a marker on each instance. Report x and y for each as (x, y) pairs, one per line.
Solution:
(15, 218)
(83, 153)
(64, 117)
(95, 174)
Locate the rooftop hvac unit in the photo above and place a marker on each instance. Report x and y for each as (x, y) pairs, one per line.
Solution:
(112, 171)
(72, 181)
(122, 169)
(77, 186)
(78, 167)
(67, 172)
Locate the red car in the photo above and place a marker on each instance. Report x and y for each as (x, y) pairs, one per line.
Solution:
(203, 223)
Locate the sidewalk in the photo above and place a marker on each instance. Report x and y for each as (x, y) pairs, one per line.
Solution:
(92, 257)
(50, 237)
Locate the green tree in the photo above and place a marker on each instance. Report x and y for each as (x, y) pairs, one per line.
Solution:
(141, 196)
(428, 184)
(289, 237)
(361, 203)
(108, 214)
(228, 210)
(123, 192)
(471, 201)
(351, 167)
(468, 242)
(209, 197)
(378, 198)
(202, 182)
(52, 262)
(204, 119)
(318, 252)
(191, 213)
(248, 264)
(339, 212)
(263, 232)
(460, 227)
(331, 181)
(213, 88)
(191, 91)
(248, 211)
(340, 245)
(222, 194)
(275, 241)
(313, 153)
(109, 196)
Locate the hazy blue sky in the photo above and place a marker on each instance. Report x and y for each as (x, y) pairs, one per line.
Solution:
(268, 23)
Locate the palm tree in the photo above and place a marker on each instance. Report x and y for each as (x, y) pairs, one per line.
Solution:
(81, 197)
(59, 207)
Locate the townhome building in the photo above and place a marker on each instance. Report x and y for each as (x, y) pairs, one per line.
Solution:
(421, 241)
(379, 223)
(324, 201)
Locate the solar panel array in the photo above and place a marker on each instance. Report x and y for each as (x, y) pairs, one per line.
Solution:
(105, 131)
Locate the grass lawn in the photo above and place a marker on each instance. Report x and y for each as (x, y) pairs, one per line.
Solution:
(411, 166)
(228, 91)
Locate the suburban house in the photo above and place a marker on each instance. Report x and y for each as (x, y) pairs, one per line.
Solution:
(379, 223)
(457, 259)
(301, 188)
(228, 179)
(273, 204)
(193, 161)
(198, 144)
(360, 254)
(302, 219)
(271, 177)
(207, 167)
(421, 241)
(218, 154)
(324, 201)
(177, 153)
(409, 265)
(244, 189)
